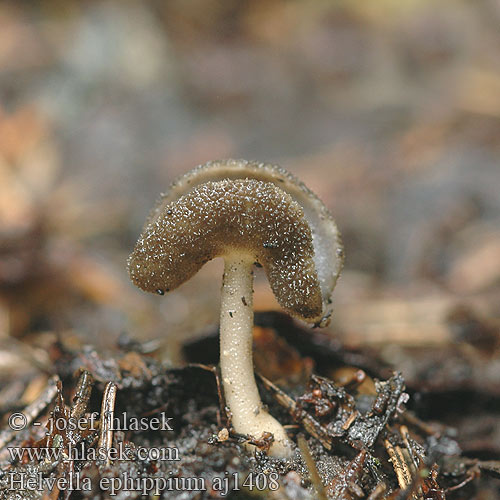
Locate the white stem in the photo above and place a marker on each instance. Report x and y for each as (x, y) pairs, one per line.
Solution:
(236, 361)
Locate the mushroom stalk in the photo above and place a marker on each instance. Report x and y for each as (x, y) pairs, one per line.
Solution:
(236, 362)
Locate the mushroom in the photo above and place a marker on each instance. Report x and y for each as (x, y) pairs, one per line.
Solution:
(248, 213)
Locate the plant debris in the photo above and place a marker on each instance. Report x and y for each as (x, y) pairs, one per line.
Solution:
(361, 443)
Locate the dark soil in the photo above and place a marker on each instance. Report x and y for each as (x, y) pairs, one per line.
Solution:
(362, 431)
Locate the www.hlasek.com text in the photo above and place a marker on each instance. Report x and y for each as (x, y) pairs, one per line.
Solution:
(82, 453)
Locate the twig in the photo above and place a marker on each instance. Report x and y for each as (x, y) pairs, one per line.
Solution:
(311, 466)
(399, 465)
(107, 413)
(310, 425)
(82, 395)
(377, 493)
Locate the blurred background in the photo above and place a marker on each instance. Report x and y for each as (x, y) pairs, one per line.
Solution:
(388, 110)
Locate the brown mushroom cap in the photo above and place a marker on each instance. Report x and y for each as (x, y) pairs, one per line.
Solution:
(328, 249)
(214, 219)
